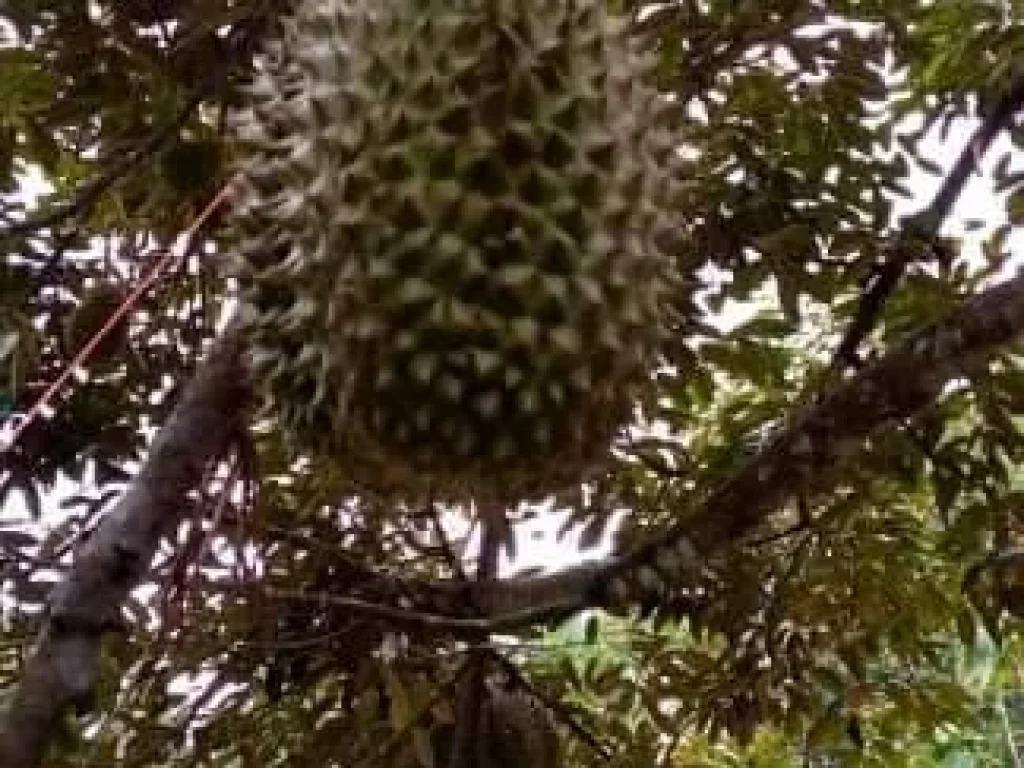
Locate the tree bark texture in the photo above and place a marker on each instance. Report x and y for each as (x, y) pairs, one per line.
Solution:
(61, 670)
(815, 440)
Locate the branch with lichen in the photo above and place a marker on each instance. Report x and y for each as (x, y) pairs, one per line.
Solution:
(61, 671)
(925, 225)
(817, 439)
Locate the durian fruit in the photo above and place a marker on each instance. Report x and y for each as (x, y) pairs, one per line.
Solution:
(449, 239)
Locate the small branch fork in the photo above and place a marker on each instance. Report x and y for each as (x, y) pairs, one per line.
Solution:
(166, 261)
(924, 225)
(85, 198)
(819, 438)
(61, 671)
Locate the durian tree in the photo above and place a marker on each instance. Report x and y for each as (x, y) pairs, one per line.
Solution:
(497, 382)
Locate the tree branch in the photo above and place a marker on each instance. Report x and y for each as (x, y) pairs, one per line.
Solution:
(62, 669)
(924, 224)
(238, 45)
(471, 695)
(85, 198)
(799, 459)
(818, 438)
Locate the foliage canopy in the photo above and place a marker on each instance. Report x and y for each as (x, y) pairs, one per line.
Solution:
(866, 617)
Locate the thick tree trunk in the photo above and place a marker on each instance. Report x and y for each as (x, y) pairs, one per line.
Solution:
(61, 670)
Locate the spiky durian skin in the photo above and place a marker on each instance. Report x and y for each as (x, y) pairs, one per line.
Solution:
(449, 265)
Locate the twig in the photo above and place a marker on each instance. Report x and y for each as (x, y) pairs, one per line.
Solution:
(775, 536)
(166, 260)
(1000, 559)
(470, 700)
(446, 544)
(89, 194)
(924, 224)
